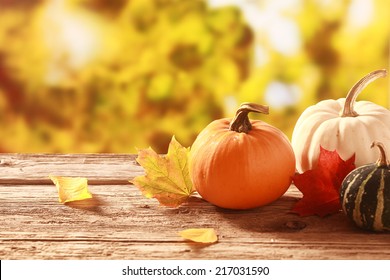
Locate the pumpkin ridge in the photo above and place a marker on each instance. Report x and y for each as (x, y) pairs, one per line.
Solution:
(356, 213)
(369, 199)
(378, 223)
(365, 136)
(345, 198)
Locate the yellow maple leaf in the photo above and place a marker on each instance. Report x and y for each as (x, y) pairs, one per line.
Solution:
(167, 177)
(71, 188)
(202, 235)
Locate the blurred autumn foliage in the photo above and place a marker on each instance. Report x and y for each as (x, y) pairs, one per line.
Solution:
(110, 76)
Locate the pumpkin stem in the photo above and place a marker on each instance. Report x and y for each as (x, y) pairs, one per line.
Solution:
(348, 110)
(241, 122)
(382, 161)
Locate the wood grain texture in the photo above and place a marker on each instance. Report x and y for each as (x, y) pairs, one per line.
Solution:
(119, 223)
(98, 168)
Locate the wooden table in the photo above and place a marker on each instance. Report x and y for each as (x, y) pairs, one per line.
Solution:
(121, 224)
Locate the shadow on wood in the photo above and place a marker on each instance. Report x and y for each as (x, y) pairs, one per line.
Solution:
(91, 204)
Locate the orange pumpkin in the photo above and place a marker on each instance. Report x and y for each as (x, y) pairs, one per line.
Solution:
(241, 164)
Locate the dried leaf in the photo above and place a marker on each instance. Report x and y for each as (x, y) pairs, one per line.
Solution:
(71, 188)
(201, 235)
(321, 185)
(167, 177)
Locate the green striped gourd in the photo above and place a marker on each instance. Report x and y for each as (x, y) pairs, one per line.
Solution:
(365, 194)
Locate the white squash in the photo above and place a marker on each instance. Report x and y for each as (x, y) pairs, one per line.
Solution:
(343, 125)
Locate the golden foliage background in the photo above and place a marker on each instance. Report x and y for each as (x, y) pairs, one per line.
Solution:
(110, 76)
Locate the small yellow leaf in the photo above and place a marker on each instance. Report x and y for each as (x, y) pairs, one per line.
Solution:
(167, 177)
(71, 188)
(202, 235)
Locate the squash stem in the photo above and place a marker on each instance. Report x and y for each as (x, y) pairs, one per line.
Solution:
(382, 161)
(348, 110)
(241, 122)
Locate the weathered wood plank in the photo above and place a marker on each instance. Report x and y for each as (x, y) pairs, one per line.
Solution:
(180, 250)
(124, 225)
(98, 168)
(121, 224)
